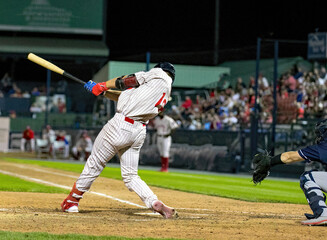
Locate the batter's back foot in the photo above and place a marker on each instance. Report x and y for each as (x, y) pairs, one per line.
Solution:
(165, 211)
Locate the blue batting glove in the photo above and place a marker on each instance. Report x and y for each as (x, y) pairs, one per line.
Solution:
(89, 85)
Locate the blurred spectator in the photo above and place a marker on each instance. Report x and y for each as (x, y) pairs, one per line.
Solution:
(26, 94)
(83, 147)
(240, 85)
(61, 144)
(216, 122)
(290, 83)
(16, 92)
(6, 84)
(187, 103)
(35, 92)
(49, 134)
(59, 106)
(62, 86)
(252, 83)
(12, 114)
(35, 109)
(27, 139)
(262, 81)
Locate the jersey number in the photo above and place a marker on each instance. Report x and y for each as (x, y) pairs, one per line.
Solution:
(162, 102)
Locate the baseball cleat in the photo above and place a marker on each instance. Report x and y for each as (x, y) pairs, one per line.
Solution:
(320, 221)
(69, 206)
(165, 211)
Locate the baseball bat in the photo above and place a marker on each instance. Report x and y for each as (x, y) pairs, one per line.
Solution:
(48, 65)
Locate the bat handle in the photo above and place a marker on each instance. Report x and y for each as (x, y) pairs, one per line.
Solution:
(73, 78)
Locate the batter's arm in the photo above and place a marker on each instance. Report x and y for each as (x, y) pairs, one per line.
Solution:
(123, 82)
(112, 94)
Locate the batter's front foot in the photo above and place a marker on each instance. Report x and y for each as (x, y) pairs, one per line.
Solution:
(69, 206)
(319, 221)
(165, 211)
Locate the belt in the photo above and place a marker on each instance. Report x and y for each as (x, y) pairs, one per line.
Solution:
(127, 119)
(131, 121)
(165, 136)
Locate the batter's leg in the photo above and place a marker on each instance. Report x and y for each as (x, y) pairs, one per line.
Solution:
(129, 159)
(102, 152)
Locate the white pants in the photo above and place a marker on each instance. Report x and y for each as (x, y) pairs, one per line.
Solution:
(126, 139)
(164, 144)
(24, 141)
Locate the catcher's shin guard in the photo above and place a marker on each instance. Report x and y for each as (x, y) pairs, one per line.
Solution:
(315, 197)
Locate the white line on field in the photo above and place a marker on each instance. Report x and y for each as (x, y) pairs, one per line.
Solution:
(45, 171)
(67, 187)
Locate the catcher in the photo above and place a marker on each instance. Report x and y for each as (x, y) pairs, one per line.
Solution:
(313, 183)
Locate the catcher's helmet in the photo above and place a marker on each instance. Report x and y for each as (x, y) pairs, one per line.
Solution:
(321, 130)
(168, 67)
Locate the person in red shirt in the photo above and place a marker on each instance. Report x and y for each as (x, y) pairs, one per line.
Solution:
(28, 138)
(61, 106)
(187, 103)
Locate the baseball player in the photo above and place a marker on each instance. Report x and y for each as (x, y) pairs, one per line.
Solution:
(142, 94)
(164, 126)
(313, 183)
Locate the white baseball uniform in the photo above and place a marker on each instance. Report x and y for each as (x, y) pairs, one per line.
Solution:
(164, 126)
(124, 134)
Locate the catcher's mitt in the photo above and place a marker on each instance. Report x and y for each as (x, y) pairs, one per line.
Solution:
(261, 163)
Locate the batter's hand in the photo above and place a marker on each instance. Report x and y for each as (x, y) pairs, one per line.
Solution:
(95, 88)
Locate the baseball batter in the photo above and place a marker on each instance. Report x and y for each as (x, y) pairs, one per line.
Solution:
(143, 93)
(164, 126)
(313, 183)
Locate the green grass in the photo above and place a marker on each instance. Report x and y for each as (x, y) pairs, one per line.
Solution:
(14, 184)
(47, 236)
(235, 187)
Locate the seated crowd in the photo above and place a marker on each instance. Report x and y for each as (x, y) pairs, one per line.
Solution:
(11, 89)
(299, 95)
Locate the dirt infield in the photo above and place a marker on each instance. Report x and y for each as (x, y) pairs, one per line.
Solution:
(201, 217)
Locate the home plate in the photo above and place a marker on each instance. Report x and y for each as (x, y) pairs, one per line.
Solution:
(152, 214)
